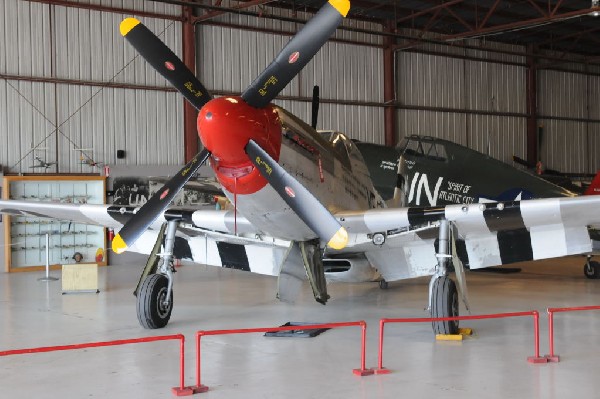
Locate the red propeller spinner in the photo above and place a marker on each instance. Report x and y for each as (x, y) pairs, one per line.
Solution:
(225, 125)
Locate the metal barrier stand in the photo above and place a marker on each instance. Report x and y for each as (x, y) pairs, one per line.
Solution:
(181, 390)
(363, 371)
(552, 357)
(531, 359)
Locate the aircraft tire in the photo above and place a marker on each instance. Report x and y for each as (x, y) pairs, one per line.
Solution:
(151, 312)
(592, 270)
(444, 304)
(384, 285)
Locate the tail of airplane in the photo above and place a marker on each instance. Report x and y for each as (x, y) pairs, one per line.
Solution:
(594, 188)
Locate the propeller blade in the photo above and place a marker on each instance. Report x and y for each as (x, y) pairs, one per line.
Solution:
(148, 213)
(315, 107)
(165, 61)
(296, 54)
(306, 206)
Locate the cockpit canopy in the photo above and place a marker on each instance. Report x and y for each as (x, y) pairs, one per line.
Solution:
(423, 146)
(344, 148)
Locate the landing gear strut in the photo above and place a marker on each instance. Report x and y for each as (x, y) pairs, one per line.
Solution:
(443, 296)
(155, 295)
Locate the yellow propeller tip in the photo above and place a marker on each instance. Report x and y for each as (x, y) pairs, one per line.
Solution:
(127, 25)
(343, 6)
(118, 245)
(339, 239)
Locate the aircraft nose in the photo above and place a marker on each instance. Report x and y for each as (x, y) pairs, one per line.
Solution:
(226, 124)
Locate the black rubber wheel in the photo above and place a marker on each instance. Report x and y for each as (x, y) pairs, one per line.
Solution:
(151, 310)
(592, 270)
(444, 304)
(383, 284)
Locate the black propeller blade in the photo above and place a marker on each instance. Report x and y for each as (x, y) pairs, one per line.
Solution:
(296, 54)
(315, 107)
(148, 213)
(306, 206)
(165, 62)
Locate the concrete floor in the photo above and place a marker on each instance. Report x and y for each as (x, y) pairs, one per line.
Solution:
(490, 364)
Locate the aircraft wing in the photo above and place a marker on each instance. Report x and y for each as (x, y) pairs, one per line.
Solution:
(493, 234)
(221, 222)
(490, 234)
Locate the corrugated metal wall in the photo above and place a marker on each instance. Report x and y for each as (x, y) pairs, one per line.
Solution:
(491, 91)
(458, 99)
(230, 58)
(569, 116)
(85, 48)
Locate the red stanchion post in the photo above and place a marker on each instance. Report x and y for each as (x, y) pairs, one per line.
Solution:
(363, 371)
(552, 357)
(182, 390)
(199, 387)
(536, 359)
(380, 369)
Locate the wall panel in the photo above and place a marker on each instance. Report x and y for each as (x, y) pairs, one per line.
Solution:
(563, 94)
(50, 41)
(495, 87)
(147, 125)
(25, 38)
(429, 80)
(499, 136)
(564, 146)
(27, 119)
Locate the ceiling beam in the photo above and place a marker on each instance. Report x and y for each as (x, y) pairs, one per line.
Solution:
(428, 11)
(239, 6)
(518, 24)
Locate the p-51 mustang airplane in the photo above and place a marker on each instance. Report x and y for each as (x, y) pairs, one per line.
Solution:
(302, 198)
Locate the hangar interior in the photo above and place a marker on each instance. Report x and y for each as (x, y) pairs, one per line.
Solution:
(516, 78)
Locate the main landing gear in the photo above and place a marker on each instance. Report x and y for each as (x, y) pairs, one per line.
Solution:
(443, 295)
(155, 289)
(591, 269)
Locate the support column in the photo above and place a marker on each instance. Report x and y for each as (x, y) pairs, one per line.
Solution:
(190, 136)
(532, 130)
(389, 83)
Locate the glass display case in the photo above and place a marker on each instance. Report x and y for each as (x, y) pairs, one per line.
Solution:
(25, 237)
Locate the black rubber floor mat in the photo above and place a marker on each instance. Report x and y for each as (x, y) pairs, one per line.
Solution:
(300, 332)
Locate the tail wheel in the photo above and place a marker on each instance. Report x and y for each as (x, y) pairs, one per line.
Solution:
(444, 304)
(153, 310)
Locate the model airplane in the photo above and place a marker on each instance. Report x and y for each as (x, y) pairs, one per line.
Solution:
(90, 162)
(42, 164)
(304, 202)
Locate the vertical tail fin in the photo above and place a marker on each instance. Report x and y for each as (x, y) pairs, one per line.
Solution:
(594, 188)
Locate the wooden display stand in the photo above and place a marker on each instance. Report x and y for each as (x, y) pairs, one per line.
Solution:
(24, 248)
